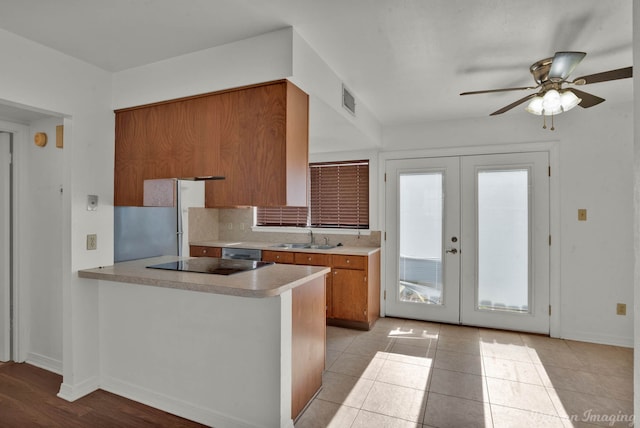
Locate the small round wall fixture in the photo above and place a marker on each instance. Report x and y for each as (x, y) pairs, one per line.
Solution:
(40, 139)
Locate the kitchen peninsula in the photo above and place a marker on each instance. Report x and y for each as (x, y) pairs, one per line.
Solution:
(243, 350)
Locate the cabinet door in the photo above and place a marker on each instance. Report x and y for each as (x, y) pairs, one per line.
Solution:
(130, 156)
(349, 294)
(202, 251)
(236, 158)
(278, 256)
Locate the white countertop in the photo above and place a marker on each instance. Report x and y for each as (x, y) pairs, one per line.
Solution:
(350, 251)
(266, 281)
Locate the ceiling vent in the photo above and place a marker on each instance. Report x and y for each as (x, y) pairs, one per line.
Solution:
(348, 101)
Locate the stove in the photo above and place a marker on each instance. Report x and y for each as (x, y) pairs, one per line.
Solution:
(211, 265)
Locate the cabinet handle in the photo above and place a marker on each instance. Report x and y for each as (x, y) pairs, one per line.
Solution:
(277, 257)
(309, 258)
(204, 251)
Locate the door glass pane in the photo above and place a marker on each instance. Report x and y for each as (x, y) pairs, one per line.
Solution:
(421, 213)
(503, 240)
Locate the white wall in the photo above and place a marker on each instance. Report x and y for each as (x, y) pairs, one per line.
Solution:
(42, 203)
(254, 60)
(39, 78)
(595, 172)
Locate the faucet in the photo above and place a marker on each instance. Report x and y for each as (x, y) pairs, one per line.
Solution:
(311, 237)
(326, 240)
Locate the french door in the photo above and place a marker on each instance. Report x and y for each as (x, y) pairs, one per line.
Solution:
(468, 240)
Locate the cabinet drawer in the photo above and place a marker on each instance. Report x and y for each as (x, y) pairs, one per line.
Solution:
(202, 251)
(349, 262)
(277, 256)
(313, 259)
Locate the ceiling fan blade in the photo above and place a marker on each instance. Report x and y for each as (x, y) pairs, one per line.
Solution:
(588, 100)
(488, 91)
(512, 105)
(564, 63)
(620, 73)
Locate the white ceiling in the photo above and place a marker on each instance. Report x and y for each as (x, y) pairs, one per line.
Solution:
(407, 60)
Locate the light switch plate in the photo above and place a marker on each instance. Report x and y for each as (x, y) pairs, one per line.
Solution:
(92, 242)
(92, 202)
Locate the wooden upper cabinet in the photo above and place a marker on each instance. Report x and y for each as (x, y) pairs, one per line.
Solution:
(256, 137)
(264, 147)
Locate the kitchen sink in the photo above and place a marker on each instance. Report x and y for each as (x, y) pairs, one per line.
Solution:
(304, 246)
(291, 246)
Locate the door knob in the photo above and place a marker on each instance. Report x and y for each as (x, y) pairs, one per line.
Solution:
(452, 251)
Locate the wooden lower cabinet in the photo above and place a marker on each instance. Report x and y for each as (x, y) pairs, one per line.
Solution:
(202, 251)
(308, 343)
(352, 288)
(349, 294)
(355, 291)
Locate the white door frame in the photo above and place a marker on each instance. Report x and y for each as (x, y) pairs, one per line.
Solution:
(20, 139)
(5, 242)
(552, 148)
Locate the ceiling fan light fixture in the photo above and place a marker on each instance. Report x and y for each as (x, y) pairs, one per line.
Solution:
(551, 103)
(535, 106)
(569, 100)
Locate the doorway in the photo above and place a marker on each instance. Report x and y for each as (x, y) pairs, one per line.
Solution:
(5, 246)
(468, 240)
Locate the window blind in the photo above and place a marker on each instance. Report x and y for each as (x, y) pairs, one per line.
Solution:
(339, 198)
(340, 194)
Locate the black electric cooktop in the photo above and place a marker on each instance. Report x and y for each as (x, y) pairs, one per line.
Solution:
(211, 265)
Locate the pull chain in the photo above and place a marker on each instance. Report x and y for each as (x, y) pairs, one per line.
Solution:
(544, 121)
(552, 127)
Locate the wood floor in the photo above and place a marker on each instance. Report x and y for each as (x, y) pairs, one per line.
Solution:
(28, 399)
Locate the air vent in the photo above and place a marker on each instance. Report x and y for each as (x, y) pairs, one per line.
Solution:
(348, 101)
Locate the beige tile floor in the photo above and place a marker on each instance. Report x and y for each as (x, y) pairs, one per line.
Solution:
(407, 373)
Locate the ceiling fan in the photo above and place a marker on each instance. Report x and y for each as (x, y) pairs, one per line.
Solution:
(553, 98)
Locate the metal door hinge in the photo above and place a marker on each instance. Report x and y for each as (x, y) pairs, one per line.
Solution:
(549, 310)
(10, 158)
(385, 295)
(385, 236)
(549, 172)
(549, 240)
(385, 177)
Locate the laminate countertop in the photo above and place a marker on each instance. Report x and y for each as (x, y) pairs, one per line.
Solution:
(267, 281)
(342, 250)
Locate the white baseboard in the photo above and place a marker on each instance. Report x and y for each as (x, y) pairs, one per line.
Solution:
(44, 362)
(172, 405)
(73, 392)
(582, 336)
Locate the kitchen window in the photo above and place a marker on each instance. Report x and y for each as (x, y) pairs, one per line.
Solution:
(338, 198)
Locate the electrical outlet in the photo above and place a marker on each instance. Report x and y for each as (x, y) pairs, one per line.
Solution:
(621, 309)
(582, 214)
(92, 242)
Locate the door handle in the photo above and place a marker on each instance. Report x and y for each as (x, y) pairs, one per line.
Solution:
(452, 251)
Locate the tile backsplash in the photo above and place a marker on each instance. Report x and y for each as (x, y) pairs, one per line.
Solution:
(234, 224)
